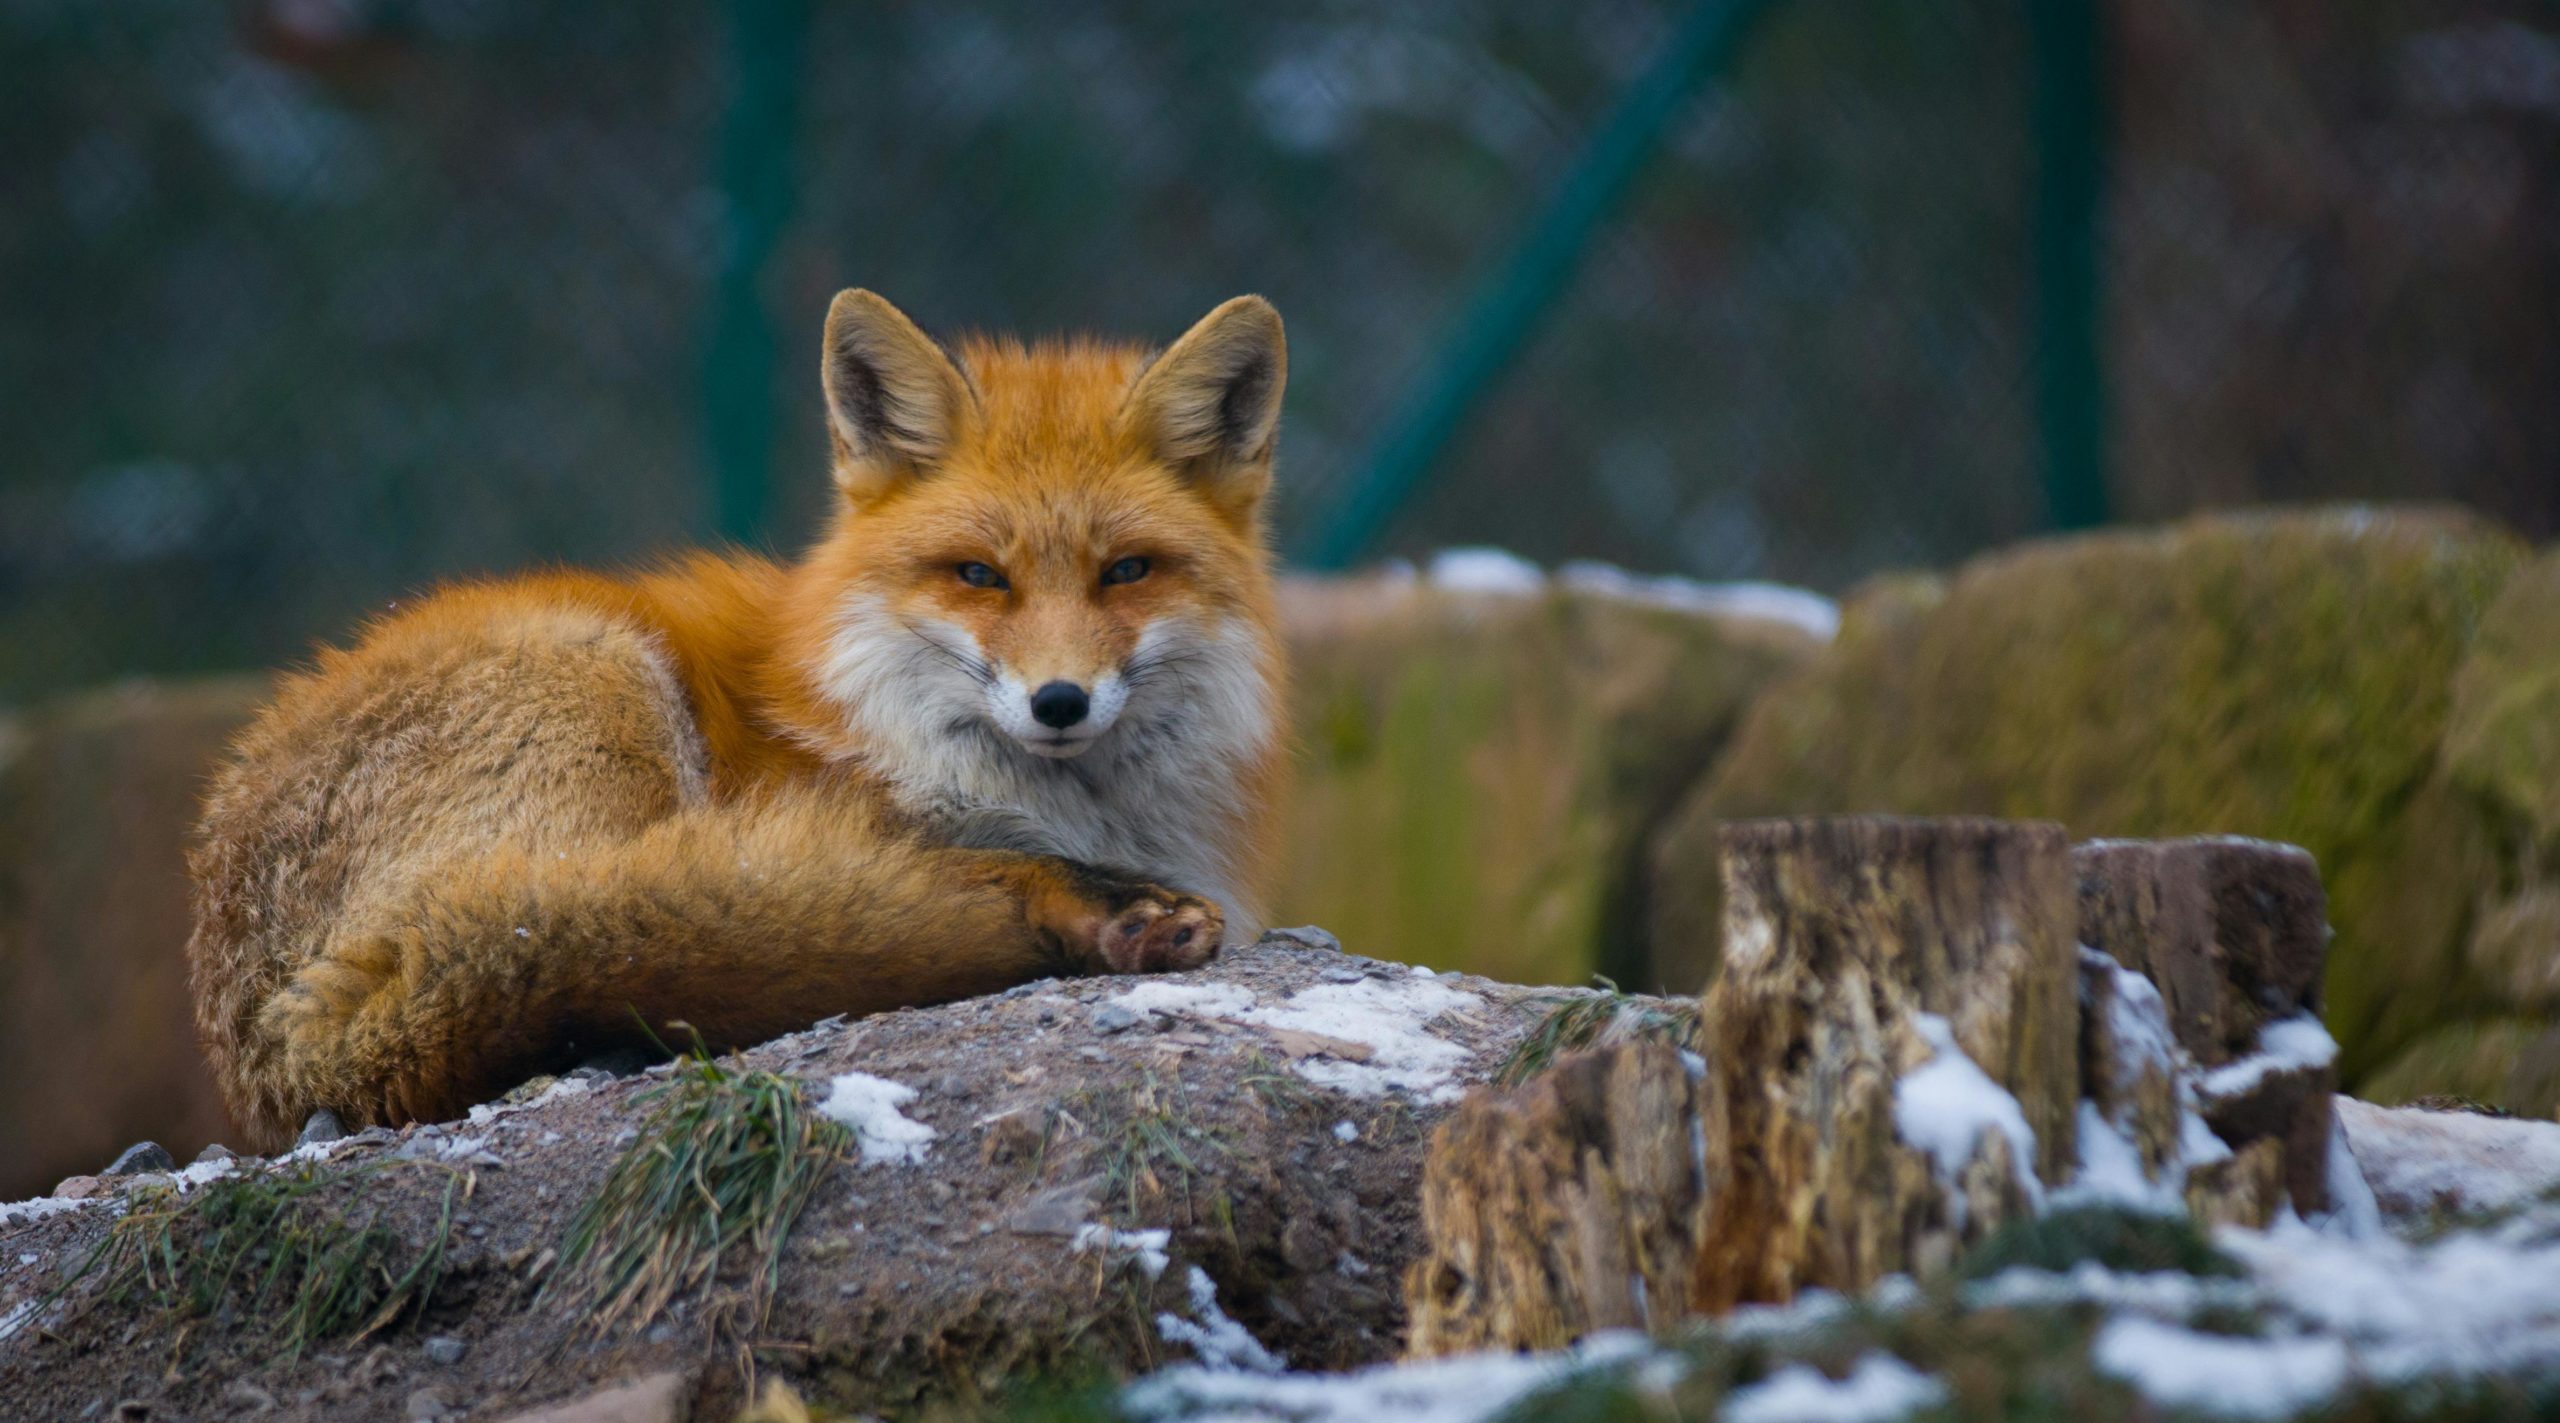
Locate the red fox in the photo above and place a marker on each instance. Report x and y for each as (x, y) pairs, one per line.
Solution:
(1017, 713)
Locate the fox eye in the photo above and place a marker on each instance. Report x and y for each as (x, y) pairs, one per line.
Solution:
(979, 575)
(1127, 570)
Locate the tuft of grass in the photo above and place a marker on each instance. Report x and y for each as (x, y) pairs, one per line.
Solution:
(1147, 1147)
(1283, 1093)
(2136, 1242)
(1576, 1022)
(296, 1247)
(725, 1162)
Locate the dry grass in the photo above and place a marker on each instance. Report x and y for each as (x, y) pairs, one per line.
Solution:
(724, 1163)
(1580, 1021)
(296, 1247)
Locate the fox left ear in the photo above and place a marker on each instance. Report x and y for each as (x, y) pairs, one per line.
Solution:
(1210, 404)
(895, 401)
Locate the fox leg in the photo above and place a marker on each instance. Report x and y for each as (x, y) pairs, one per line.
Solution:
(740, 923)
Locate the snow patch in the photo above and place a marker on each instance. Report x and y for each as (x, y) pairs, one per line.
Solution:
(1221, 1343)
(1208, 1000)
(1387, 1016)
(2474, 1302)
(2284, 1045)
(16, 1316)
(1461, 1388)
(2219, 1374)
(1808, 612)
(1484, 570)
(870, 1106)
(2417, 1162)
(1881, 1387)
(1147, 1245)
(37, 1209)
(1345, 1132)
(1944, 1106)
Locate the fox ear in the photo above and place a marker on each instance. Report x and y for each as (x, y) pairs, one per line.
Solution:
(894, 399)
(1210, 404)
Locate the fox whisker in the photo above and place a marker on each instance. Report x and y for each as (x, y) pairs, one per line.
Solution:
(977, 669)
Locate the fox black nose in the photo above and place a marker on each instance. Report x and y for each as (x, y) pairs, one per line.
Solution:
(1059, 704)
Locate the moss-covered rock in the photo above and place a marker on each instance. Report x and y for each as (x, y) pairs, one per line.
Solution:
(1478, 770)
(97, 1028)
(2503, 740)
(2288, 676)
(2513, 1063)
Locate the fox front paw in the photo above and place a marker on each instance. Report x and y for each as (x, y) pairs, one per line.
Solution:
(1159, 931)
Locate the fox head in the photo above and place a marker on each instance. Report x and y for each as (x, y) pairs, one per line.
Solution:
(1043, 554)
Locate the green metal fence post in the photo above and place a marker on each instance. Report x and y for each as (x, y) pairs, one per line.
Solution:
(2068, 107)
(756, 159)
(1505, 308)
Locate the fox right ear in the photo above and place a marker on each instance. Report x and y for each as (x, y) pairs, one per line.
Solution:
(894, 399)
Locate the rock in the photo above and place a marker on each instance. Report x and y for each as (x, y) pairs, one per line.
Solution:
(1212, 1149)
(2513, 1063)
(1307, 935)
(657, 1398)
(243, 1397)
(445, 1349)
(321, 1127)
(78, 1188)
(426, 1405)
(2515, 950)
(97, 1026)
(1114, 1018)
(2502, 738)
(212, 1153)
(1482, 769)
(2233, 932)
(1857, 953)
(2286, 676)
(1562, 1206)
(141, 1157)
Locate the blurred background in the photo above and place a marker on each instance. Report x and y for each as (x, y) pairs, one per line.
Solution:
(309, 302)
(312, 300)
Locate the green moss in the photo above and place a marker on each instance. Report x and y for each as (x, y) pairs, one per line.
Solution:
(2283, 676)
(2513, 1063)
(2129, 1241)
(1476, 774)
(2504, 738)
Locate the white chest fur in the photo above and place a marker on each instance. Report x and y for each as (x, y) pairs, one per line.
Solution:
(1160, 795)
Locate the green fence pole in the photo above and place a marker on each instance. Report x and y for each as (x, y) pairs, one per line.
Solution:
(1505, 309)
(2068, 106)
(756, 159)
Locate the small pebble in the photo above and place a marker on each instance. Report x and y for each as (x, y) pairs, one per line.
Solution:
(445, 1349)
(1114, 1018)
(215, 1152)
(427, 1404)
(138, 1158)
(322, 1125)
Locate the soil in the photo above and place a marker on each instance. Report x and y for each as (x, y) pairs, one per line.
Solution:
(1053, 1108)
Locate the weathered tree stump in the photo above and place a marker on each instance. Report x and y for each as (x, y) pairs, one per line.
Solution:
(1563, 1206)
(1858, 953)
(2235, 934)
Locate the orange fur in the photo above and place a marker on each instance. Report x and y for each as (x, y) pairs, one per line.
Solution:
(521, 819)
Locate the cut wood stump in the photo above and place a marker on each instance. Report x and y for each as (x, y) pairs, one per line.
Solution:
(1563, 1206)
(2235, 934)
(1859, 952)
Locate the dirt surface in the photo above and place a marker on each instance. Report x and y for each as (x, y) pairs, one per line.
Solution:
(1268, 1112)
